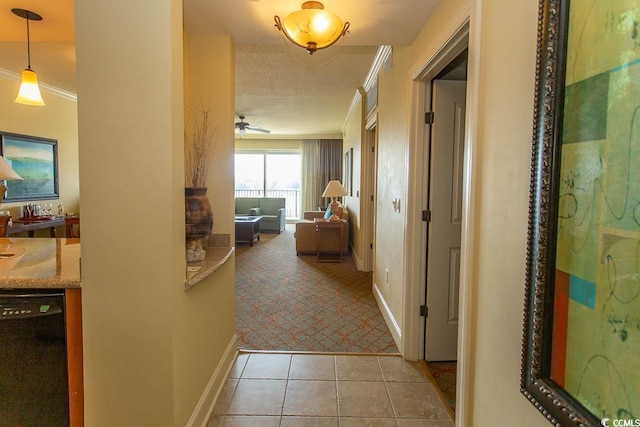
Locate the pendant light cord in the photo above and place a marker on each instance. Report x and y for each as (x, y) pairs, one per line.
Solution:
(28, 45)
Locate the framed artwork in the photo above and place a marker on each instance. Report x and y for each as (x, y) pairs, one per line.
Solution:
(36, 161)
(348, 171)
(581, 342)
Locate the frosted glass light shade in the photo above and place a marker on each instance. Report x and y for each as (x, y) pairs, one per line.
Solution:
(29, 93)
(312, 27)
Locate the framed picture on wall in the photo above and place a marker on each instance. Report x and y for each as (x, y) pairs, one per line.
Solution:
(35, 159)
(348, 171)
(580, 364)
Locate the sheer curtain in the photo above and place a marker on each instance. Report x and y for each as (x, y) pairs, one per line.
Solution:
(321, 162)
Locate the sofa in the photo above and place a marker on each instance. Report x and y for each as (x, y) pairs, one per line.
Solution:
(306, 239)
(272, 210)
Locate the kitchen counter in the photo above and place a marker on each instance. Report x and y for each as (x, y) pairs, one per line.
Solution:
(39, 263)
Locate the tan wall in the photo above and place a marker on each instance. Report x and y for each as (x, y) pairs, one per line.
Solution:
(393, 110)
(150, 347)
(204, 317)
(130, 192)
(211, 85)
(506, 86)
(57, 119)
(501, 181)
(248, 144)
(352, 138)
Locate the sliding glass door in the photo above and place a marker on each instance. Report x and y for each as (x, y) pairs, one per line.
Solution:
(269, 175)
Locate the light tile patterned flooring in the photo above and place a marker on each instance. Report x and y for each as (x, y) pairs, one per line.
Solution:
(305, 390)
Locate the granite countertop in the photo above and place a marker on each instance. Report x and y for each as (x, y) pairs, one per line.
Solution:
(215, 258)
(39, 263)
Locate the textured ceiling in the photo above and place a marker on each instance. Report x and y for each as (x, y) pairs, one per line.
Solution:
(301, 98)
(278, 86)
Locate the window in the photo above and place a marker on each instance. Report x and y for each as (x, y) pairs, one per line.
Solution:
(270, 175)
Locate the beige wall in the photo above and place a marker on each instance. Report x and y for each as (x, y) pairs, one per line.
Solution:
(498, 218)
(204, 317)
(150, 348)
(248, 144)
(210, 84)
(352, 138)
(393, 110)
(58, 120)
(499, 221)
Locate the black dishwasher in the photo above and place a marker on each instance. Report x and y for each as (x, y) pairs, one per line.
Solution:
(34, 387)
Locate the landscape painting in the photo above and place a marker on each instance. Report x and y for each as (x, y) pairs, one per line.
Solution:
(36, 161)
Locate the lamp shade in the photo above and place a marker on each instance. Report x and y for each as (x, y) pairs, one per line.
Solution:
(334, 189)
(7, 172)
(312, 27)
(29, 93)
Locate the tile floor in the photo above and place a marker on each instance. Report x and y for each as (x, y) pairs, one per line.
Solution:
(304, 390)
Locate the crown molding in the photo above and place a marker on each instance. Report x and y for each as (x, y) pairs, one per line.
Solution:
(383, 54)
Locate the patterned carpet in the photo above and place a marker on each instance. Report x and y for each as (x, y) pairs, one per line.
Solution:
(292, 303)
(444, 374)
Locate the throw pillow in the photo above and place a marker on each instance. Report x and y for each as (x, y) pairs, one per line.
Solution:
(327, 213)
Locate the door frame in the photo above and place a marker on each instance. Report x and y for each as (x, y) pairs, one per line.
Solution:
(464, 32)
(369, 190)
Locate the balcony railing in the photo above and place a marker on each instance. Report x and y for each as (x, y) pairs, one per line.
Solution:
(293, 199)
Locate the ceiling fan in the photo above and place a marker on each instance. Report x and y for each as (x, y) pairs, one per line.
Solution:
(243, 126)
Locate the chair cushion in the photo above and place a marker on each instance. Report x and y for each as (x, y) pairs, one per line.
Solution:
(243, 204)
(270, 205)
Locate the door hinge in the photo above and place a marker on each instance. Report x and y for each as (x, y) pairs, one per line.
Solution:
(370, 245)
(428, 118)
(372, 197)
(373, 148)
(426, 215)
(424, 311)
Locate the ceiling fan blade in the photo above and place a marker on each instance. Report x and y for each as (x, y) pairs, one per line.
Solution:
(258, 129)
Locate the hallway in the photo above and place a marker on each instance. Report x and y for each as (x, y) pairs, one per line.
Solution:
(306, 390)
(286, 302)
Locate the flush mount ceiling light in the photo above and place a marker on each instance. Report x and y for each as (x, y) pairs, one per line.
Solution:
(312, 27)
(29, 93)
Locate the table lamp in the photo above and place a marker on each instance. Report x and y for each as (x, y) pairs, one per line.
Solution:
(334, 189)
(6, 173)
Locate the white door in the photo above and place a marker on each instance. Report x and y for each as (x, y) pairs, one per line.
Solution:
(444, 230)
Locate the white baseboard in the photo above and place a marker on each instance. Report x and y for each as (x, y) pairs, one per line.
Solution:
(393, 326)
(207, 401)
(357, 260)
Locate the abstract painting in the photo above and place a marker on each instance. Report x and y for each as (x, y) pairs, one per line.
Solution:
(582, 320)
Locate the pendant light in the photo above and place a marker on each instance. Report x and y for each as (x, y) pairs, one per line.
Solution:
(29, 93)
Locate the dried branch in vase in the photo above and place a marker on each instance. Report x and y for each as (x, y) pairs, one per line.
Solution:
(200, 136)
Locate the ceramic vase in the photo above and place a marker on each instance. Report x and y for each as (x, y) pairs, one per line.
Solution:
(198, 222)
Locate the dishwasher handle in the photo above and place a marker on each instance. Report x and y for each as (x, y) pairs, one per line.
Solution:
(30, 294)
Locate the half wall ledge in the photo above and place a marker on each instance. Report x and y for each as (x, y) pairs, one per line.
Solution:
(219, 251)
